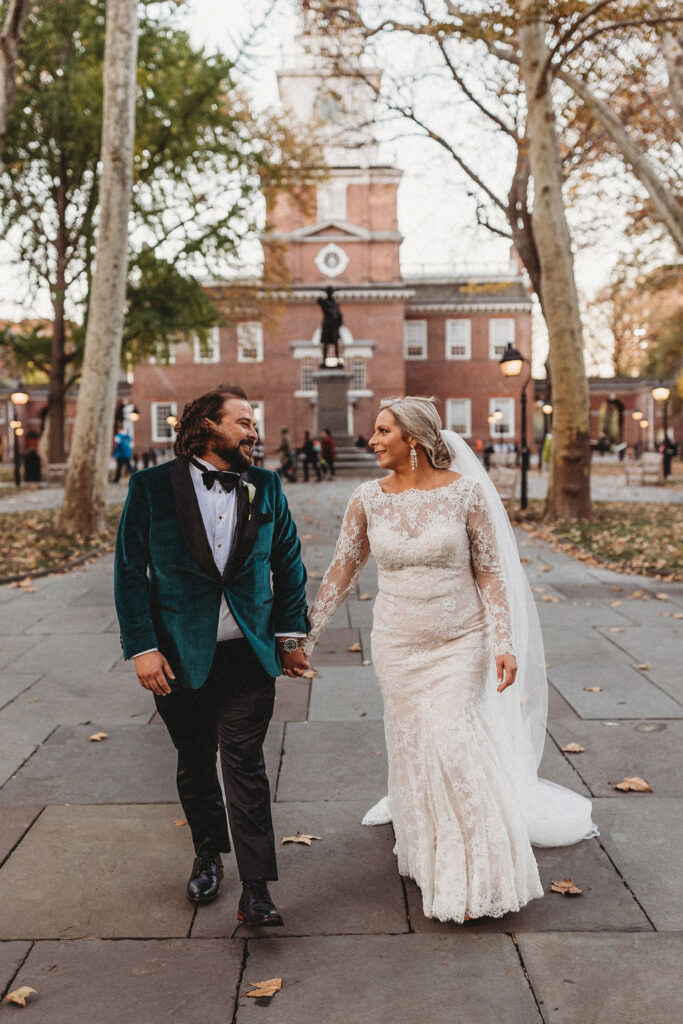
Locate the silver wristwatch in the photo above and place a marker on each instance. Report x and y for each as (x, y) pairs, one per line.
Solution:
(289, 644)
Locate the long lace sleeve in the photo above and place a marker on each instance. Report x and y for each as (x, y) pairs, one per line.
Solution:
(487, 569)
(350, 555)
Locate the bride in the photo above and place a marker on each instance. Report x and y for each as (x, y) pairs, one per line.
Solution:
(457, 649)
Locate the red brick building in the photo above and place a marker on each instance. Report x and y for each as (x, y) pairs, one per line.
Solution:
(434, 333)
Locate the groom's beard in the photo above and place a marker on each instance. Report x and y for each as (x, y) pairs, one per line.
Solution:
(238, 457)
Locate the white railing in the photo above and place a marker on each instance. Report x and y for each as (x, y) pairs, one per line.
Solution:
(507, 269)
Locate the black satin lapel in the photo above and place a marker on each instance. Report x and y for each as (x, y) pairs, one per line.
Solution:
(246, 531)
(190, 518)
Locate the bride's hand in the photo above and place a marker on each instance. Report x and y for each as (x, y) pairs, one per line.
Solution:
(506, 668)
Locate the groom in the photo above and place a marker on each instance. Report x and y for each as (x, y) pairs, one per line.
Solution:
(198, 541)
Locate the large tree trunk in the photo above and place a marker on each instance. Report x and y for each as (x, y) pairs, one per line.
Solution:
(569, 487)
(665, 205)
(9, 49)
(84, 508)
(519, 219)
(672, 48)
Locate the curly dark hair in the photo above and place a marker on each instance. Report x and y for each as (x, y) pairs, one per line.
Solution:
(192, 430)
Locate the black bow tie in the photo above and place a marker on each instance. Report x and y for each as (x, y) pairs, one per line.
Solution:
(227, 480)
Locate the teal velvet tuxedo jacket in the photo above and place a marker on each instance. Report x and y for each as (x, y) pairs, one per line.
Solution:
(168, 588)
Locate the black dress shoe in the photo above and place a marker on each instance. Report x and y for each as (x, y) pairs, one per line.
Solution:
(256, 907)
(205, 880)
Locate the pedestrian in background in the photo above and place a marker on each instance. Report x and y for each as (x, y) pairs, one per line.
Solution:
(329, 451)
(285, 451)
(310, 455)
(257, 452)
(123, 449)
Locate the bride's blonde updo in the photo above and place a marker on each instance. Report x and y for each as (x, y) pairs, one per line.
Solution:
(418, 418)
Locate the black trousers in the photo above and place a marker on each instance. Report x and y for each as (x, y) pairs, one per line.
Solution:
(230, 713)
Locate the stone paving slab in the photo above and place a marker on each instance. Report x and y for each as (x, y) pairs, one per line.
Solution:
(86, 619)
(14, 683)
(21, 737)
(135, 764)
(606, 904)
(291, 699)
(643, 838)
(14, 822)
(66, 654)
(333, 648)
(557, 767)
(15, 649)
(333, 761)
(612, 752)
(596, 979)
(656, 646)
(558, 706)
(83, 697)
(106, 872)
(626, 693)
(345, 694)
(411, 979)
(12, 955)
(345, 883)
(193, 982)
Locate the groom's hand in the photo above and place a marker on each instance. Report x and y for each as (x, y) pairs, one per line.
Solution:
(294, 663)
(152, 671)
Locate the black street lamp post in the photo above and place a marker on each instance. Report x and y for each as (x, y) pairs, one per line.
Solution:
(17, 397)
(511, 364)
(661, 393)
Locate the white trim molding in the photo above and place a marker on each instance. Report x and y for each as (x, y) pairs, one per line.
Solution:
(513, 306)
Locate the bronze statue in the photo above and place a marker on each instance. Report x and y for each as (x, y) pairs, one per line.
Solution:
(332, 321)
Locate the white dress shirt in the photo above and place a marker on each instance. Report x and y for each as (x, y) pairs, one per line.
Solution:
(218, 509)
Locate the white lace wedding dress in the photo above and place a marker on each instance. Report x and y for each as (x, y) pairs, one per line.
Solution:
(440, 616)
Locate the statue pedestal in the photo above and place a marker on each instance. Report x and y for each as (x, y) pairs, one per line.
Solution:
(332, 410)
(332, 413)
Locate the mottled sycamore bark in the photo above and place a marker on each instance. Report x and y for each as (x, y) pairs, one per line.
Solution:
(84, 505)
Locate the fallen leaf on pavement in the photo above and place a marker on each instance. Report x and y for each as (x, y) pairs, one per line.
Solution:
(615, 604)
(547, 597)
(179, 822)
(678, 615)
(525, 561)
(299, 838)
(573, 748)
(634, 783)
(354, 648)
(365, 597)
(20, 995)
(637, 593)
(366, 663)
(310, 673)
(97, 737)
(646, 666)
(593, 689)
(567, 888)
(265, 988)
(306, 536)
(662, 597)
(545, 568)
(617, 629)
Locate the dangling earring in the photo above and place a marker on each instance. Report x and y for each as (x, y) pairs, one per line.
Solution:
(413, 458)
